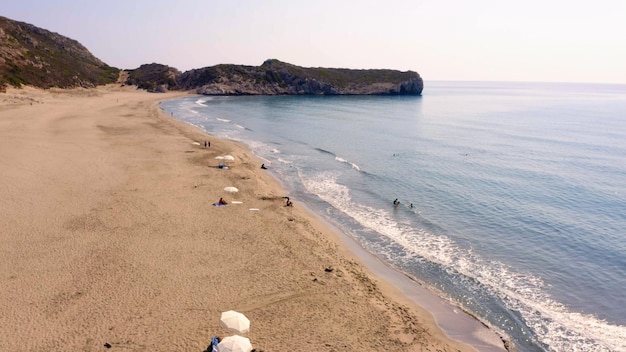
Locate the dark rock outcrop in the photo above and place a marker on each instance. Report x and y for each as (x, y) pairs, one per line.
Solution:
(154, 77)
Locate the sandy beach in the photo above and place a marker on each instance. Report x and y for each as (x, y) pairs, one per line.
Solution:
(109, 236)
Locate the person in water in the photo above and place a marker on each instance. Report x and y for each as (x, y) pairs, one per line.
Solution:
(396, 202)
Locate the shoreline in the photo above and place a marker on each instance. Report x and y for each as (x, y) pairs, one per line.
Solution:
(455, 322)
(111, 238)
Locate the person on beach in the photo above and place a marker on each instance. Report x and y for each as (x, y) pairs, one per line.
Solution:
(289, 203)
(205, 144)
(214, 342)
(263, 166)
(221, 201)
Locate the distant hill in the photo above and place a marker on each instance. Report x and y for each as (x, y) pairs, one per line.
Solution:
(33, 56)
(274, 77)
(154, 77)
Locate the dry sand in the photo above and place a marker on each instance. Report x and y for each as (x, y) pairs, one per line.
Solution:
(108, 235)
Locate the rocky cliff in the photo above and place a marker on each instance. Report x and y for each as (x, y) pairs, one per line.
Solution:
(274, 77)
(34, 56)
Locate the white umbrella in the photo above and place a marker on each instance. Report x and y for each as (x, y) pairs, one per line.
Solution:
(235, 321)
(234, 343)
(229, 157)
(231, 189)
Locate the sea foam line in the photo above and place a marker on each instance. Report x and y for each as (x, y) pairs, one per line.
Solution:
(353, 165)
(201, 102)
(551, 321)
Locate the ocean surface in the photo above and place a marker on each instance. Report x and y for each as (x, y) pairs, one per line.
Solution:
(518, 193)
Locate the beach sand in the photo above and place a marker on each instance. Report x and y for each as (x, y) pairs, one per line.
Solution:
(108, 236)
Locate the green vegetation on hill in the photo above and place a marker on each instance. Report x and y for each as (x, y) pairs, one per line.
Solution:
(277, 77)
(339, 77)
(154, 77)
(33, 56)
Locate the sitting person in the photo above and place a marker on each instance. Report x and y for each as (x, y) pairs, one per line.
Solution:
(221, 201)
(214, 342)
(263, 166)
(289, 203)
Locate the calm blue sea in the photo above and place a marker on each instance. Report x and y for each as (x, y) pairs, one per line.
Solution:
(518, 193)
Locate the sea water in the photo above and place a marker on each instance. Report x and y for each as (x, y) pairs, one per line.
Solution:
(512, 195)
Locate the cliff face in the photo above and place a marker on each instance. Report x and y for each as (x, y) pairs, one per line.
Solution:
(34, 56)
(279, 78)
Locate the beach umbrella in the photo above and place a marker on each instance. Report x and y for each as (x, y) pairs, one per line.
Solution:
(234, 343)
(229, 158)
(235, 321)
(231, 189)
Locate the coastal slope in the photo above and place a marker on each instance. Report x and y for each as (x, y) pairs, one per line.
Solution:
(33, 56)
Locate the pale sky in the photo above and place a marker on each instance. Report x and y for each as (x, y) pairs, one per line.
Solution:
(478, 40)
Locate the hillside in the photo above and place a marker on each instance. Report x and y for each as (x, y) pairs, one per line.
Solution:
(274, 77)
(154, 77)
(33, 56)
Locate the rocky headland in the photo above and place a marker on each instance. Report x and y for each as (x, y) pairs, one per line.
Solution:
(36, 57)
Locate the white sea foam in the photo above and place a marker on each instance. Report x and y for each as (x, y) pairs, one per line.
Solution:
(240, 127)
(554, 324)
(353, 165)
(200, 127)
(223, 120)
(255, 144)
(201, 102)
